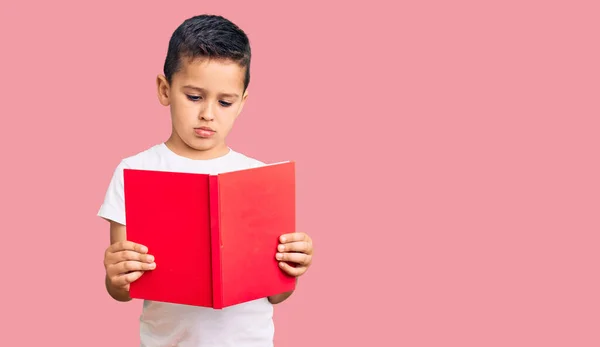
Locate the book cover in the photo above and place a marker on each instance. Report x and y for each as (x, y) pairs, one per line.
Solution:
(214, 237)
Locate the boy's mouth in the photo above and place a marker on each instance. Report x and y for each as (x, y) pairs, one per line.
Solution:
(204, 131)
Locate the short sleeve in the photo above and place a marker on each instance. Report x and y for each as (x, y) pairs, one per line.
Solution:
(113, 207)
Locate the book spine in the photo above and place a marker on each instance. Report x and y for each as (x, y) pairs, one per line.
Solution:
(216, 242)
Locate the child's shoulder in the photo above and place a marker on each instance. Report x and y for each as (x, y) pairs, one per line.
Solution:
(143, 158)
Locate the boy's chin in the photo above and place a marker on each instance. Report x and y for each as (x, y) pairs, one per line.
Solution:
(211, 146)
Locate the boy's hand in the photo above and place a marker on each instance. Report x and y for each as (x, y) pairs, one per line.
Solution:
(125, 262)
(295, 248)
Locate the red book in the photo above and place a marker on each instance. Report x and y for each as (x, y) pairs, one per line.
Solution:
(214, 237)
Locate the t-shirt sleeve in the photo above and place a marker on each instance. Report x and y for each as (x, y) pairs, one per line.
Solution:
(113, 207)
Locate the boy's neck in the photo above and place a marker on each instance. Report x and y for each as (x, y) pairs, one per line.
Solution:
(180, 148)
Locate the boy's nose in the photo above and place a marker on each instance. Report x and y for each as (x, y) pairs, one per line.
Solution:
(207, 114)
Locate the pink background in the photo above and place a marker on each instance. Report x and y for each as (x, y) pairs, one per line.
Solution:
(447, 164)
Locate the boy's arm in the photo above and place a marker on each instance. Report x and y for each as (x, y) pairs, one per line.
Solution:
(294, 248)
(278, 298)
(117, 233)
(125, 262)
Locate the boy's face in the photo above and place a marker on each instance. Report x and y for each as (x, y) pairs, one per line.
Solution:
(205, 98)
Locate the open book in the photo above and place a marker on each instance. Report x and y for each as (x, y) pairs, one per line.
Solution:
(214, 237)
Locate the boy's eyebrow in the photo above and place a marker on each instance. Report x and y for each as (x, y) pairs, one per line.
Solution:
(233, 95)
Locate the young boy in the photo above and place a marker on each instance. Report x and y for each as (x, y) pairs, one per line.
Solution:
(206, 75)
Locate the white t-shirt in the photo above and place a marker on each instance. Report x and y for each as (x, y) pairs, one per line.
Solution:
(164, 324)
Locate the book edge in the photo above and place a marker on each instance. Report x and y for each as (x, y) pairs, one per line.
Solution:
(216, 242)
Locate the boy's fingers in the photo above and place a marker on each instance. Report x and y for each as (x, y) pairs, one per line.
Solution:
(130, 266)
(131, 255)
(128, 246)
(299, 246)
(298, 258)
(125, 279)
(292, 271)
(293, 237)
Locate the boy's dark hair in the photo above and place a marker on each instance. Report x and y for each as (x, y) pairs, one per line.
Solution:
(208, 36)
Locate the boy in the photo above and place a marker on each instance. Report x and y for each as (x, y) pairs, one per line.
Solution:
(206, 75)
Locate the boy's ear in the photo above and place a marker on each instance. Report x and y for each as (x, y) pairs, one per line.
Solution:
(244, 97)
(163, 90)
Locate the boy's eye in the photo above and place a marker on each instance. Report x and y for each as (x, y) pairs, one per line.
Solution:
(198, 98)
